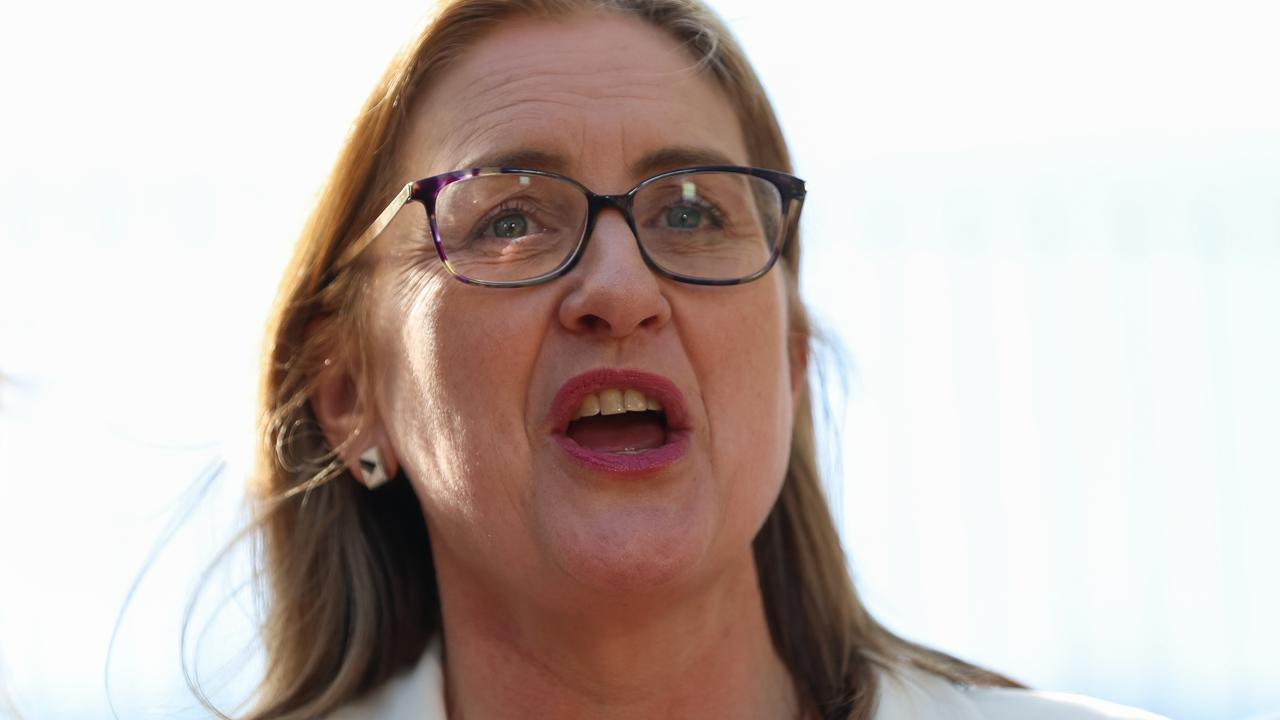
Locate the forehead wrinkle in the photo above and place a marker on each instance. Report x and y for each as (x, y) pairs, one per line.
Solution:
(539, 121)
(588, 61)
(535, 114)
(532, 98)
(495, 129)
(522, 82)
(592, 74)
(546, 89)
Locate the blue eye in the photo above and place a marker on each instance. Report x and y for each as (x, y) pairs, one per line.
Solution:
(684, 217)
(510, 226)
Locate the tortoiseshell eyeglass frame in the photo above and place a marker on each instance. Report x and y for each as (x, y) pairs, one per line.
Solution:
(791, 192)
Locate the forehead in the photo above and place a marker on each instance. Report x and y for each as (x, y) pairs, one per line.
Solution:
(593, 95)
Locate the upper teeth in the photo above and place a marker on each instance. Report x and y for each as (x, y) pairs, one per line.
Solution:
(616, 402)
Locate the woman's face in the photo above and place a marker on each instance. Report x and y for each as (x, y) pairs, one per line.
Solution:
(476, 386)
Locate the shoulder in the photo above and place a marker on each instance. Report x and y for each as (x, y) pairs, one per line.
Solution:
(906, 692)
(414, 695)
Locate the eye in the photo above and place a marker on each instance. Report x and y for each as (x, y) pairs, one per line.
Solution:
(684, 217)
(512, 225)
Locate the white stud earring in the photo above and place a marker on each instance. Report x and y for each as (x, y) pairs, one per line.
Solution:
(371, 465)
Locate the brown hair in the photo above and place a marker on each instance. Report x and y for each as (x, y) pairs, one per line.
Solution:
(350, 583)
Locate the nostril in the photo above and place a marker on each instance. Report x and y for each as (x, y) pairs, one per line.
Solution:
(594, 322)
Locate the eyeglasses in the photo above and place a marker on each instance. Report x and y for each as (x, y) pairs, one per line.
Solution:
(511, 227)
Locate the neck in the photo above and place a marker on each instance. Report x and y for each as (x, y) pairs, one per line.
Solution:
(704, 654)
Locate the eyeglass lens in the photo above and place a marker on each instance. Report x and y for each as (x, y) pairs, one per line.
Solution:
(512, 227)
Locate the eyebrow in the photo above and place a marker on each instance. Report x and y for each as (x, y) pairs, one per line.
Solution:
(524, 158)
(673, 158)
(668, 158)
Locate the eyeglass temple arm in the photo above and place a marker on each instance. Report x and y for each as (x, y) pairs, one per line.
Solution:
(375, 228)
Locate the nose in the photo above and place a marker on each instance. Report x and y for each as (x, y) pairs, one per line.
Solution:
(612, 292)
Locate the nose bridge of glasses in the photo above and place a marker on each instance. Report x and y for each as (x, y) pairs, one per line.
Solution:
(600, 203)
(622, 205)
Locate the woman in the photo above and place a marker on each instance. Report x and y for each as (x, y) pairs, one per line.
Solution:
(538, 442)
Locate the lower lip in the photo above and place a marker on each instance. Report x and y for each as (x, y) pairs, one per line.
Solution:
(640, 463)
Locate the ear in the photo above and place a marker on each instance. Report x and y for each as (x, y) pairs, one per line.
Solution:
(349, 423)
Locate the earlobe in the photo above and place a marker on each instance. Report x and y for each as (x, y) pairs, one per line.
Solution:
(374, 472)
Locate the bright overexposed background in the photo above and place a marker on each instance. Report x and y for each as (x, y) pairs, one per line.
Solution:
(1046, 235)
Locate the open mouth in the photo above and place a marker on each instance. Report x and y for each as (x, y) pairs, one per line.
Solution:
(619, 421)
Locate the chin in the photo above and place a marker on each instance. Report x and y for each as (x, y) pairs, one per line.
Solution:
(634, 551)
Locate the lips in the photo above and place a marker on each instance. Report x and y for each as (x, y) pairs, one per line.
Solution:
(604, 445)
(569, 398)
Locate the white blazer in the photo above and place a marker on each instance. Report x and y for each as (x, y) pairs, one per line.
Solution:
(908, 694)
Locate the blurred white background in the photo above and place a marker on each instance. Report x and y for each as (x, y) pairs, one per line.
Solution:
(1046, 234)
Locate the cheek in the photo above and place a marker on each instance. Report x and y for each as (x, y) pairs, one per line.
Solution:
(448, 394)
(740, 355)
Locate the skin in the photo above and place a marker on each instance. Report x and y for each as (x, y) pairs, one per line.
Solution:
(567, 592)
